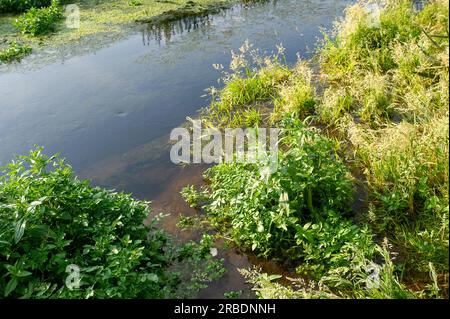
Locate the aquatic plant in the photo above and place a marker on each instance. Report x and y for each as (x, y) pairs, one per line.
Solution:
(55, 227)
(389, 99)
(14, 52)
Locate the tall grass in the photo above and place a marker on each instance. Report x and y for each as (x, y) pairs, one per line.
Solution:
(381, 91)
(389, 99)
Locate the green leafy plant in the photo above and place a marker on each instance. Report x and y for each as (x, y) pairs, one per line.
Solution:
(39, 21)
(332, 244)
(233, 294)
(267, 212)
(388, 98)
(359, 278)
(134, 3)
(14, 52)
(50, 220)
(384, 98)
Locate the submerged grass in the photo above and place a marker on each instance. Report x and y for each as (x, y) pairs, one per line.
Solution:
(381, 93)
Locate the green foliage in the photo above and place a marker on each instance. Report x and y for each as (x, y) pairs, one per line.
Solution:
(297, 96)
(134, 3)
(231, 108)
(249, 88)
(363, 41)
(39, 21)
(407, 167)
(387, 96)
(233, 294)
(393, 69)
(21, 5)
(354, 280)
(49, 219)
(192, 197)
(332, 244)
(14, 52)
(270, 212)
(384, 96)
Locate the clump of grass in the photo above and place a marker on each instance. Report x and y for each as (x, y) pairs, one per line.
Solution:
(297, 96)
(363, 41)
(410, 160)
(399, 73)
(336, 103)
(244, 91)
(15, 52)
(389, 99)
(249, 87)
(407, 170)
(134, 3)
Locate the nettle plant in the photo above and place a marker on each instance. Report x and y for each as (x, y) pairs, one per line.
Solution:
(287, 213)
(50, 220)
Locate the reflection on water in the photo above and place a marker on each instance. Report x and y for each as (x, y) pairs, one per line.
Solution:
(163, 33)
(418, 5)
(110, 113)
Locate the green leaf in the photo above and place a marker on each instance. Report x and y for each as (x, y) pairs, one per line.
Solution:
(24, 273)
(152, 277)
(19, 230)
(274, 277)
(12, 284)
(33, 206)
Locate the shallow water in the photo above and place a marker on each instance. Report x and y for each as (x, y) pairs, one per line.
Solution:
(110, 112)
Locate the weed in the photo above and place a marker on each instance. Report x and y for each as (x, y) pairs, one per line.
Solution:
(50, 219)
(39, 21)
(268, 213)
(15, 52)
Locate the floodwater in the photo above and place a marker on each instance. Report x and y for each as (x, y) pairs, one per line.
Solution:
(110, 112)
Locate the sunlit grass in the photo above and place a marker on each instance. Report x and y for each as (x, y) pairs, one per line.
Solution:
(381, 90)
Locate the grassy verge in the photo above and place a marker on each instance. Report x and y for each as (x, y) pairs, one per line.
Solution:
(372, 112)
